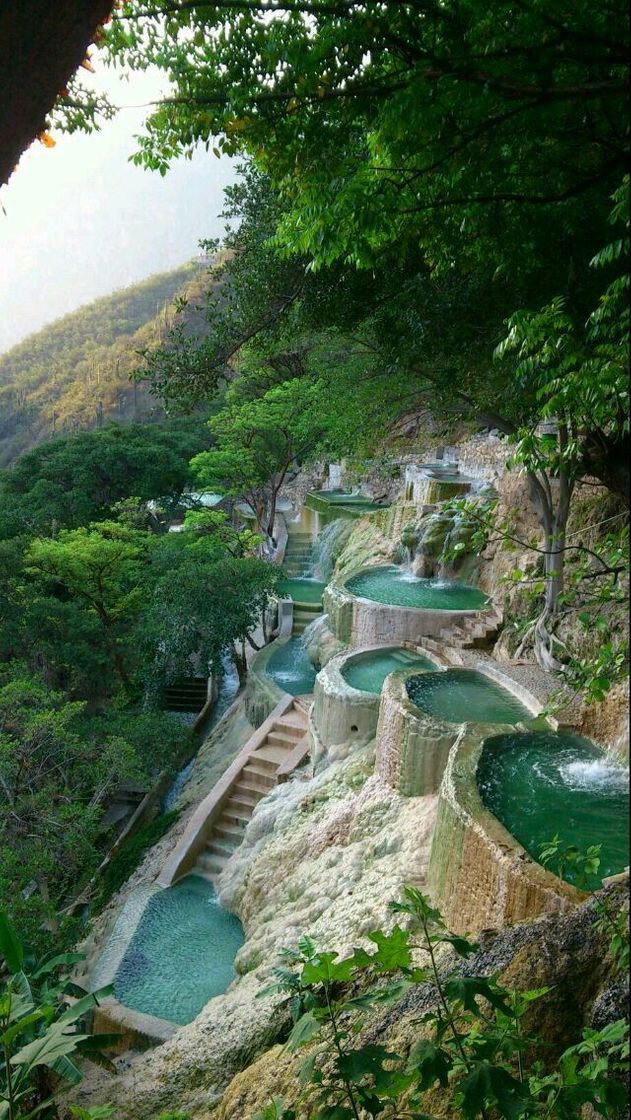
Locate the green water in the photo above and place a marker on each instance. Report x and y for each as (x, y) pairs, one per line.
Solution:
(181, 954)
(465, 696)
(353, 501)
(368, 671)
(290, 667)
(541, 783)
(396, 586)
(302, 590)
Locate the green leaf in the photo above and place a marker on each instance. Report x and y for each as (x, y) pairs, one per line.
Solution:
(487, 1084)
(393, 950)
(305, 1029)
(432, 1062)
(11, 950)
(46, 1050)
(467, 989)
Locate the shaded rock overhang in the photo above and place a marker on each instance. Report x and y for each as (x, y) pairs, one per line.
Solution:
(42, 43)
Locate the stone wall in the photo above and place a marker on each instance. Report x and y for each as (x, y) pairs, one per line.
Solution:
(342, 714)
(479, 876)
(361, 622)
(483, 456)
(412, 748)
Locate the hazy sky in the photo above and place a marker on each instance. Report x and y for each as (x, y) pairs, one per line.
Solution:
(82, 221)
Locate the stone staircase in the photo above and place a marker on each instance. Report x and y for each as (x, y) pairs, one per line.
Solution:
(304, 613)
(186, 695)
(298, 554)
(283, 746)
(475, 632)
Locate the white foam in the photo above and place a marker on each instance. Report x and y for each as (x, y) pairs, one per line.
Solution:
(598, 772)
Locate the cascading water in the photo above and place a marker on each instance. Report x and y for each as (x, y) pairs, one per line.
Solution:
(290, 667)
(327, 547)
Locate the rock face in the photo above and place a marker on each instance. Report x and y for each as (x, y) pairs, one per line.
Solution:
(412, 748)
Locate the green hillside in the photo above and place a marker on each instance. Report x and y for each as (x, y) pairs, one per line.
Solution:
(75, 372)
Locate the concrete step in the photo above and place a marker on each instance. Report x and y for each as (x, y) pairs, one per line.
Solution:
(244, 791)
(260, 779)
(240, 809)
(218, 847)
(274, 753)
(292, 723)
(225, 829)
(282, 739)
(264, 763)
(235, 819)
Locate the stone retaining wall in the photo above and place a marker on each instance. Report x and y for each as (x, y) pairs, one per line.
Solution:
(362, 622)
(479, 876)
(412, 748)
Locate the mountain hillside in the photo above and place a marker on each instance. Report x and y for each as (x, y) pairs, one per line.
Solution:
(75, 373)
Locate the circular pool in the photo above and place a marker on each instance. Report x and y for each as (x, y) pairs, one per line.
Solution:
(301, 590)
(465, 696)
(543, 783)
(397, 587)
(368, 671)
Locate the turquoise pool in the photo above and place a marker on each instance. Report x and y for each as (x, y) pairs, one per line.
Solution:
(465, 696)
(290, 667)
(368, 671)
(399, 588)
(303, 590)
(543, 783)
(181, 954)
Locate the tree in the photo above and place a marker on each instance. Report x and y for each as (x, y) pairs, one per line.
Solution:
(70, 481)
(258, 439)
(580, 381)
(486, 135)
(209, 593)
(100, 568)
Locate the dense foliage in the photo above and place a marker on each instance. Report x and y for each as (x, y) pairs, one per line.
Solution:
(43, 1031)
(100, 610)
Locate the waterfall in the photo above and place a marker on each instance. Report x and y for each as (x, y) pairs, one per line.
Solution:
(327, 547)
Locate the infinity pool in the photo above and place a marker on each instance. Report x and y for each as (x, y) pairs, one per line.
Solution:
(290, 667)
(543, 783)
(181, 954)
(399, 588)
(465, 696)
(368, 671)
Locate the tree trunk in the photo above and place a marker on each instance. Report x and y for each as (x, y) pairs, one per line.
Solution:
(240, 662)
(553, 514)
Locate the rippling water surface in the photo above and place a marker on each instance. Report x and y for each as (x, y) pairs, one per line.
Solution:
(398, 587)
(465, 696)
(181, 954)
(542, 783)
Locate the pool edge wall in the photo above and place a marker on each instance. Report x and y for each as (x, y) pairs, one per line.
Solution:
(363, 622)
(343, 713)
(412, 747)
(263, 694)
(479, 876)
